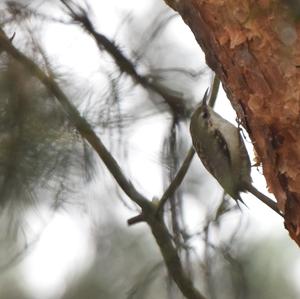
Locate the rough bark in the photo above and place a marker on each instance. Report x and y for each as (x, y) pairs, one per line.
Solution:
(254, 48)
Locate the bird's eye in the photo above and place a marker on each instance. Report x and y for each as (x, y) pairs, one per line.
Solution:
(204, 114)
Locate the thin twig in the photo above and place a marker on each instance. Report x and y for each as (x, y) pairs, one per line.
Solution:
(214, 91)
(177, 180)
(174, 199)
(136, 219)
(265, 199)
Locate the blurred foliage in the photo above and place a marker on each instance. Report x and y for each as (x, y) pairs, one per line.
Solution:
(44, 162)
(35, 138)
(128, 265)
(239, 275)
(253, 270)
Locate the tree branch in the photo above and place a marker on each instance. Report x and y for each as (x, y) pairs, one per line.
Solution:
(149, 209)
(172, 259)
(79, 122)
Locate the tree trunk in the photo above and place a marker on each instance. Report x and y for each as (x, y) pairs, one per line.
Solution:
(254, 48)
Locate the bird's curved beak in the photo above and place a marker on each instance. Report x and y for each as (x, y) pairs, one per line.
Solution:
(204, 99)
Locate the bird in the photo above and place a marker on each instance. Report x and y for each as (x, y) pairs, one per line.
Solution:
(221, 148)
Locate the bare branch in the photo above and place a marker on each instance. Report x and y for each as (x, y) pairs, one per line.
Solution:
(157, 226)
(79, 122)
(177, 180)
(172, 259)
